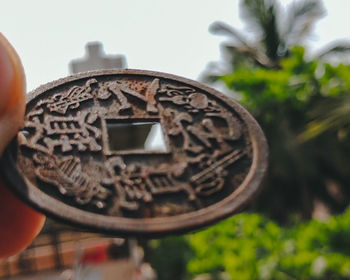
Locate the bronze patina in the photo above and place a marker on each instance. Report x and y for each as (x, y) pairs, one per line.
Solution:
(66, 165)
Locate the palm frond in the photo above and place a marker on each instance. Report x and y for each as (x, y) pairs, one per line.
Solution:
(245, 53)
(213, 72)
(222, 28)
(339, 47)
(301, 17)
(272, 38)
(255, 13)
(331, 115)
(261, 16)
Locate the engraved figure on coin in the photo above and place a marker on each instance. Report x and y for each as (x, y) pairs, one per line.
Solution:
(121, 92)
(61, 102)
(64, 132)
(135, 183)
(202, 138)
(66, 173)
(202, 134)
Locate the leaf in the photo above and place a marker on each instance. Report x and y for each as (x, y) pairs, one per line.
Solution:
(335, 48)
(222, 28)
(300, 18)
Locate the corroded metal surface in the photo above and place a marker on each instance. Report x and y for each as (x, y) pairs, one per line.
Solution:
(213, 162)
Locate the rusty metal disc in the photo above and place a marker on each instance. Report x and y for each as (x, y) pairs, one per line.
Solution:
(84, 155)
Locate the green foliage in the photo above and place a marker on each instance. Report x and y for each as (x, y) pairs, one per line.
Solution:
(293, 85)
(303, 106)
(285, 101)
(333, 113)
(170, 257)
(288, 103)
(250, 246)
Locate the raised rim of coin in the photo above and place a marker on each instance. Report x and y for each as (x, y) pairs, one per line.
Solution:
(151, 227)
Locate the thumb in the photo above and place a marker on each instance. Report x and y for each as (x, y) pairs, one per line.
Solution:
(12, 93)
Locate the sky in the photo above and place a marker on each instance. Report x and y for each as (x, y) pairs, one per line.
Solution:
(161, 35)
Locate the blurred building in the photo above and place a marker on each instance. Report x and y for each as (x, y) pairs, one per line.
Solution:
(95, 59)
(70, 255)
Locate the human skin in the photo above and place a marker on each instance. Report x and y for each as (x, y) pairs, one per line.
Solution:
(19, 224)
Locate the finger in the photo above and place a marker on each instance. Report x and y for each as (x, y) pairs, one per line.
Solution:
(12, 93)
(19, 224)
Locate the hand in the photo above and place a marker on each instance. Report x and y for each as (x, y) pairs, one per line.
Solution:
(19, 224)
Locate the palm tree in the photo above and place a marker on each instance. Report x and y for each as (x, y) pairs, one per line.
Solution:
(274, 31)
(301, 171)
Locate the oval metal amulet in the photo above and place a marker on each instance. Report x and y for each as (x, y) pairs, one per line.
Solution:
(132, 152)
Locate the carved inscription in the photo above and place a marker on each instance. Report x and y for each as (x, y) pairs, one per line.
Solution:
(65, 135)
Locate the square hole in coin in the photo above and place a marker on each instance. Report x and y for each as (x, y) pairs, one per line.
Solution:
(140, 136)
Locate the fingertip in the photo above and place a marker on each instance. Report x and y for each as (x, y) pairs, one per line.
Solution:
(12, 92)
